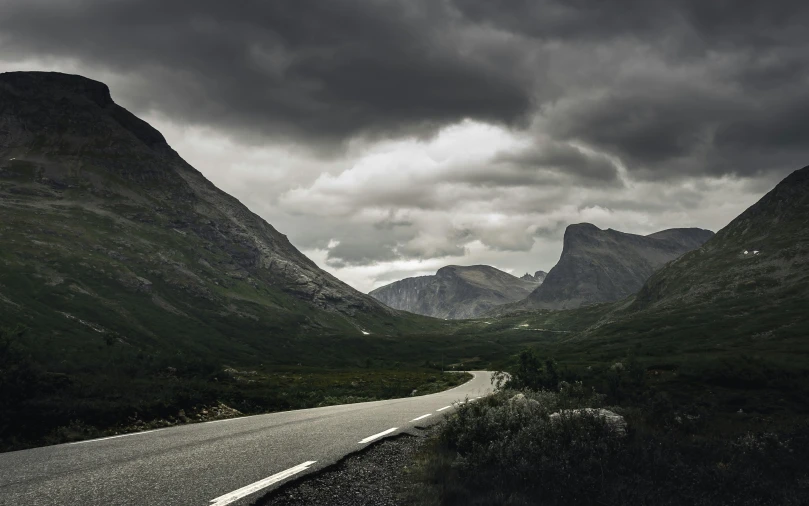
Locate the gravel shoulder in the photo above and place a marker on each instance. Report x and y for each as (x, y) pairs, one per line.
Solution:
(370, 477)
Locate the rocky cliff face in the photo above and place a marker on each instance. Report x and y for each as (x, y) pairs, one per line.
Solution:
(91, 196)
(455, 292)
(606, 265)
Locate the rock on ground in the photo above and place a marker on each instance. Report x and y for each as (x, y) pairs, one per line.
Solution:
(615, 421)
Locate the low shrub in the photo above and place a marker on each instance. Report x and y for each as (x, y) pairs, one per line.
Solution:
(508, 450)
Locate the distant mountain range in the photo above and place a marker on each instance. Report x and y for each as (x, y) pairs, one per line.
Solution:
(537, 277)
(456, 292)
(596, 266)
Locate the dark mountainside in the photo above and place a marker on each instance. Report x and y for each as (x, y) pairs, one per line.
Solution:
(131, 288)
(92, 195)
(744, 291)
(764, 251)
(606, 265)
(745, 288)
(455, 292)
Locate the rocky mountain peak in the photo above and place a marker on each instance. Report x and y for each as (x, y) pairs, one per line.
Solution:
(537, 277)
(449, 270)
(581, 234)
(606, 265)
(57, 85)
(66, 111)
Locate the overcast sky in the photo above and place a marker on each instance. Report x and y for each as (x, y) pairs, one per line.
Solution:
(390, 138)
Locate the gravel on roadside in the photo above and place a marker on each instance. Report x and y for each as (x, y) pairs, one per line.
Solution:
(369, 477)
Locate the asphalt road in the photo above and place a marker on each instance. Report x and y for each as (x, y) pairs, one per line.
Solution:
(216, 463)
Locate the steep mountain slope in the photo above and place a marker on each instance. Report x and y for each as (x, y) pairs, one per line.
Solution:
(745, 291)
(455, 292)
(106, 231)
(764, 252)
(606, 265)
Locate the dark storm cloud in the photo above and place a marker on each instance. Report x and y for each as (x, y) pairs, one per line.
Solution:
(669, 130)
(693, 25)
(303, 68)
(670, 87)
(741, 110)
(564, 158)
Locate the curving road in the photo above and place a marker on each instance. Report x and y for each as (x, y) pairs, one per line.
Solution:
(216, 463)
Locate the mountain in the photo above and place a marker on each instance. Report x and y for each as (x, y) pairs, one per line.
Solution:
(537, 277)
(455, 292)
(606, 265)
(106, 231)
(741, 297)
(764, 253)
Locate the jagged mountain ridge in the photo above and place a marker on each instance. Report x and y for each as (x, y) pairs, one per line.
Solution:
(93, 200)
(455, 292)
(537, 277)
(606, 265)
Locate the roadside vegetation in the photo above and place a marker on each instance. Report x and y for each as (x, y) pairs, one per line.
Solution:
(124, 391)
(725, 447)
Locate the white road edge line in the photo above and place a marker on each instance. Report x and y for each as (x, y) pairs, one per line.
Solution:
(261, 484)
(377, 436)
(422, 417)
(114, 437)
(225, 420)
(442, 409)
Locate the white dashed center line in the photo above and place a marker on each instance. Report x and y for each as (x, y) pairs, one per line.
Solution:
(255, 487)
(114, 437)
(377, 436)
(422, 417)
(442, 409)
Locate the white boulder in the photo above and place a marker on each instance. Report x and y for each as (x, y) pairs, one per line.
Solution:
(613, 420)
(522, 399)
